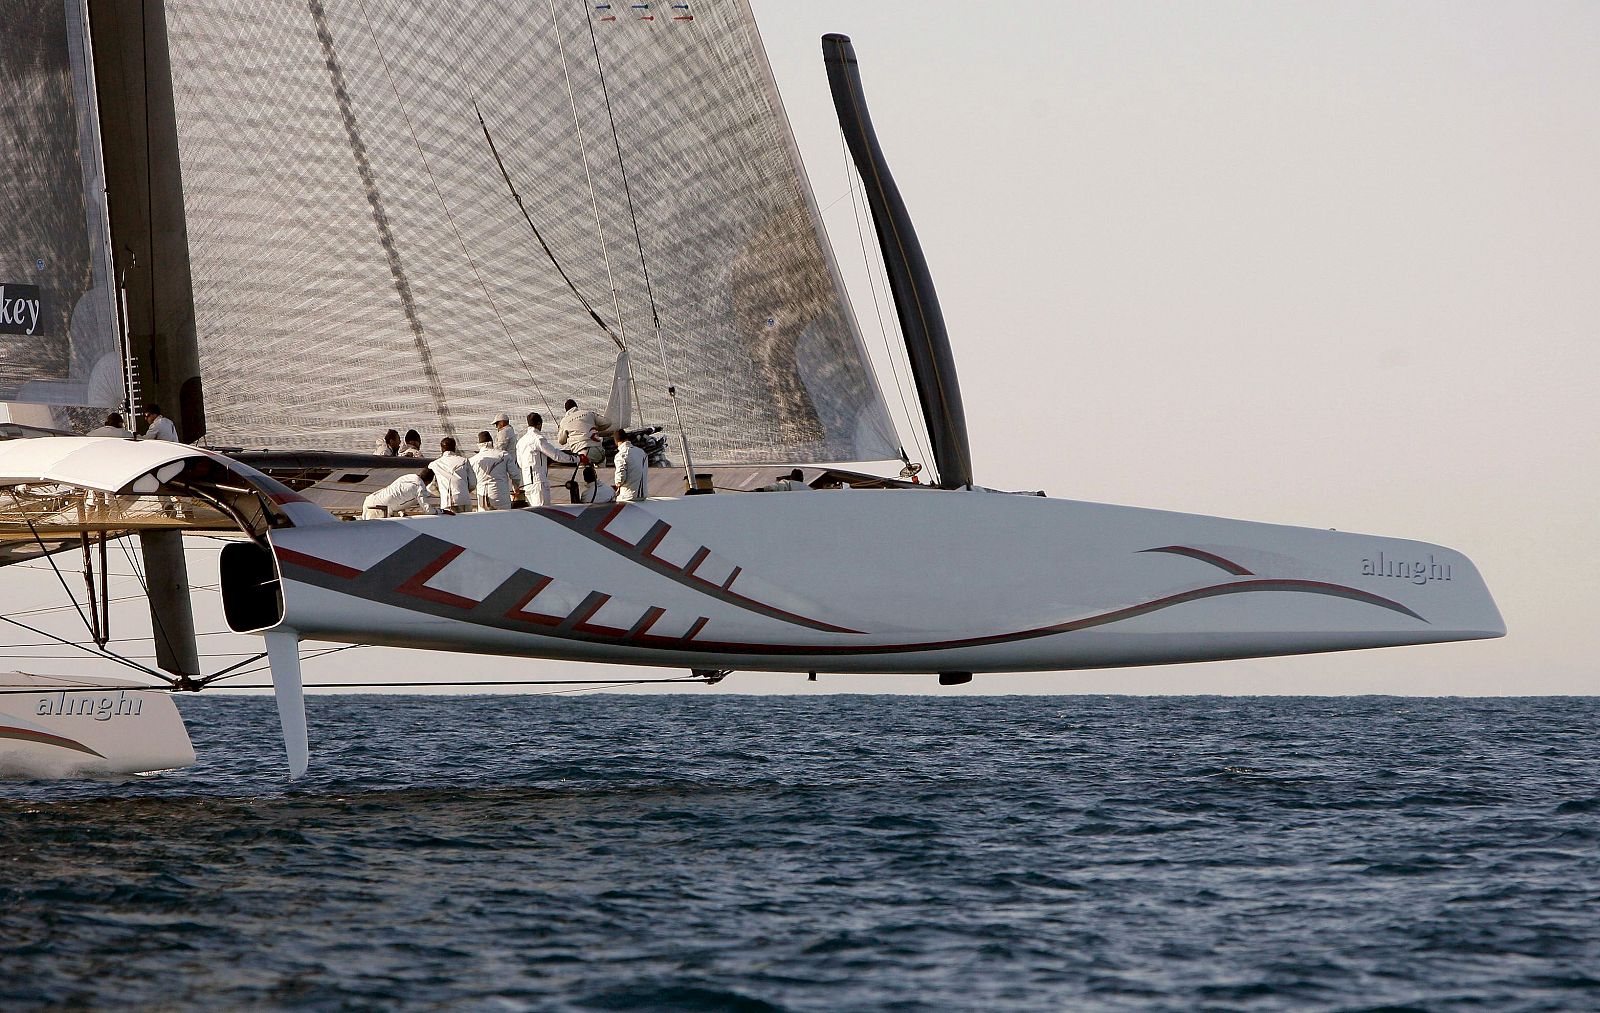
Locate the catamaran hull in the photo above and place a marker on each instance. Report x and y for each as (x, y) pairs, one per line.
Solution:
(850, 581)
(59, 726)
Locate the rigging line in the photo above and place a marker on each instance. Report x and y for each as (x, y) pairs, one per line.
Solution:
(223, 674)
(594, 205)
(104, 655)
(587, 305)
(449, 217)
(589, 684)
(157, 626)
(880, 272)
(7, 656)
(229, 672)
(8, 691)
(638, 238)
(52, 561)
(305, 656)
(62, 608)
(877, 309)
(35, 566)
(588, 176)
(627, 192)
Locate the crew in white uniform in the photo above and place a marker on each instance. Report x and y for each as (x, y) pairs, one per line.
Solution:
(505, 439)
(534, 454)
(388, 444)
(795, 481)
(113, 428)
(453, 478)
(632, 479)
(407, 494)
(580, 432)
(413, 444)
(158, 426)
(492, 468)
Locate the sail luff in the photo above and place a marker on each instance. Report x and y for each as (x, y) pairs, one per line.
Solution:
(824, 243)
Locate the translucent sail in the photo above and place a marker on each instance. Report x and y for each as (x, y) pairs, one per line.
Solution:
(58, 337)
(359, 264)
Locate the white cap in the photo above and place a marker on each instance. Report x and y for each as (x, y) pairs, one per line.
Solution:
(502, 417)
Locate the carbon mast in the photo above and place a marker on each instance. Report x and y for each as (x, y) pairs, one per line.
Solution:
(150, 247)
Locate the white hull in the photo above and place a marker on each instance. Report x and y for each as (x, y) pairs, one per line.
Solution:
(882, 581)
(68, 726)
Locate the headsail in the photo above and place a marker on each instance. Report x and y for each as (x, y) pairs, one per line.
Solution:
(58, 336)
(359, 264)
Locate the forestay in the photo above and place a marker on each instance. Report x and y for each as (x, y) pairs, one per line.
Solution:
(359, 264)
(58, 339)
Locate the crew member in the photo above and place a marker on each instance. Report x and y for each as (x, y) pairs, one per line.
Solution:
(158, 426)
(406, 494)
(795, 481)
(113, 428)
(453, 478)
(505, 439)
(580, 431)
(492, 468)
(413, 445)
(534, 454)
(388, 445)
(632, 478)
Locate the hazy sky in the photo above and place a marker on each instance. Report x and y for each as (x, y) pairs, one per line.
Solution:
(1332, 265)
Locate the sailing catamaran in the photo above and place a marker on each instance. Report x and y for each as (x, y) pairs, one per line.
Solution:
(302, 204)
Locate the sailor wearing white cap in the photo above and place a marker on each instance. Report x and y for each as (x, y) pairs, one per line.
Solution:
(505, 438)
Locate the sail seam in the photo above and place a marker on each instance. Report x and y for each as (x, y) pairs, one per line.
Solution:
(380, 217)
(445, 205)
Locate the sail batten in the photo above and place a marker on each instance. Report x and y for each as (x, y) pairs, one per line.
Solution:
(299, 234)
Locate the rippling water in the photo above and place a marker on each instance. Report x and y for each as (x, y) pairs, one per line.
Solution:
(826, 853)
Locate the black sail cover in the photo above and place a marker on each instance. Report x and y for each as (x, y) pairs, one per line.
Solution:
(58, 331)
(359, 264)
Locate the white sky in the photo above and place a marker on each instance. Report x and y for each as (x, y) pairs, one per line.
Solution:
(1332, 265)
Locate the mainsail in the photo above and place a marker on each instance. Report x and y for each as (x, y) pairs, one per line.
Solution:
(58, 331)
(358, 263)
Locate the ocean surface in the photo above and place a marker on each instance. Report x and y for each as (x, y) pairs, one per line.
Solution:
(825, 853)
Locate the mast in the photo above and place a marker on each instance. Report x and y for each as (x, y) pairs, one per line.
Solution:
(150, 246)
(921, 321)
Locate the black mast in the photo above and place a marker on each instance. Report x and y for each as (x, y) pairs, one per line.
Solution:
(922, 323)
(150, 244)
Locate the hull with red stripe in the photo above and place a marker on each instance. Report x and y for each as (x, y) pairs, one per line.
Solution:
(870, 581)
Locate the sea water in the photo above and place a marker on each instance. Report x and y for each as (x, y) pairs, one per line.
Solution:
(825, 853)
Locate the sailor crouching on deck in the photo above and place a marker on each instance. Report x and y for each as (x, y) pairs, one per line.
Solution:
(453, 478)
(406, 494)
(632, 479)
(580, 431)
(534, 454)
(492, 468)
